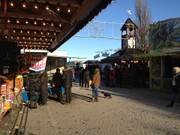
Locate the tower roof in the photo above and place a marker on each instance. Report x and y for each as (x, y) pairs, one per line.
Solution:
(127, 22)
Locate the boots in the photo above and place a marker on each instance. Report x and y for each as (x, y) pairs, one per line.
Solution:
(96, 99)
(93, 99)
(171, 104)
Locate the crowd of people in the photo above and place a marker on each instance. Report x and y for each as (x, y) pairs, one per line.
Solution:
(36, 89)
(89, 76)
(62, 83)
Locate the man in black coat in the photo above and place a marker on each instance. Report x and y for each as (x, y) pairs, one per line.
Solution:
(57, 82)
(67, 77)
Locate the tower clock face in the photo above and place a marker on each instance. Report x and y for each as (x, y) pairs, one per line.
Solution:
(131, 42)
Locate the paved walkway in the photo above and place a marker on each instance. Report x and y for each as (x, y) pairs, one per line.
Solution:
(128, 112)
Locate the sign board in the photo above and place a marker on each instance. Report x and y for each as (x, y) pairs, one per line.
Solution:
(33, 61)
(38, 61)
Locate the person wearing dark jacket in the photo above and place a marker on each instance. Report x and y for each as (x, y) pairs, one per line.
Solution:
(67, 83)
(44, 88)
(86, 77)
(175, 87)
(57, 83)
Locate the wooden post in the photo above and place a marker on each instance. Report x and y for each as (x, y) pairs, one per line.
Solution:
(150, 73)
(162, 71)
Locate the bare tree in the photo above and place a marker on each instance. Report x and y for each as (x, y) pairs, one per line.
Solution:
(143, 22)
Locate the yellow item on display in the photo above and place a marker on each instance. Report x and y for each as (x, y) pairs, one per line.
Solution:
(7, 105)
(90, 82)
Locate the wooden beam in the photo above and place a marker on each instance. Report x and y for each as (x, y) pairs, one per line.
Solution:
(30, 27)
(86, 7)
(23, 15)
(73, 3)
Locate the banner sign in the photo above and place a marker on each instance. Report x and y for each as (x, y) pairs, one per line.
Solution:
(38, 62)
(33, 61)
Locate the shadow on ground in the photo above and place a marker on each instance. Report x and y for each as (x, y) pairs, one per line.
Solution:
(82, 97)
(145, 96)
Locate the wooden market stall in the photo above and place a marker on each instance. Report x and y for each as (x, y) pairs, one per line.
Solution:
(41, 24)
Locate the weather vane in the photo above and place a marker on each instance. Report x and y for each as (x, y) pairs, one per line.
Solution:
(129, 13)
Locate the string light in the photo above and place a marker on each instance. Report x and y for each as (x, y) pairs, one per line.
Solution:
(41, 33)
(54, 33)
(17, 37)
(24, 5)
(6, 36)
(35, 6)
(48, 33)
(69, 10)
(8, 21)
(27, 22)
(23, 37)
(12, 37)
(40, 39)
(52, 24)
(35, 32)
(44, 24)
(35, 22)
(60, 25)
(58, 9)
(29, 38)
(47, 7)
(28, 32)
(17, 21)
(14, 31)
(21, 31)
(11, 4)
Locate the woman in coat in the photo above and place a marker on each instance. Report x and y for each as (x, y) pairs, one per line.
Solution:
(95, 84)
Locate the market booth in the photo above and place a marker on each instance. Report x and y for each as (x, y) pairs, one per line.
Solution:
(38, 24)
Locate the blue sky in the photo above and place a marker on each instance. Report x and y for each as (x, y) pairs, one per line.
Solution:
(117, 12)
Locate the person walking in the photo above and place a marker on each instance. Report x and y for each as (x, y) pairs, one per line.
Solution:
(175, 86)
(95, 84)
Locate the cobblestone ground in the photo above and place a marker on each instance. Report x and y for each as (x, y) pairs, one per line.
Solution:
(116, 116)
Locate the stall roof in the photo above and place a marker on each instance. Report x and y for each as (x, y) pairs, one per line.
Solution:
(43, 24)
